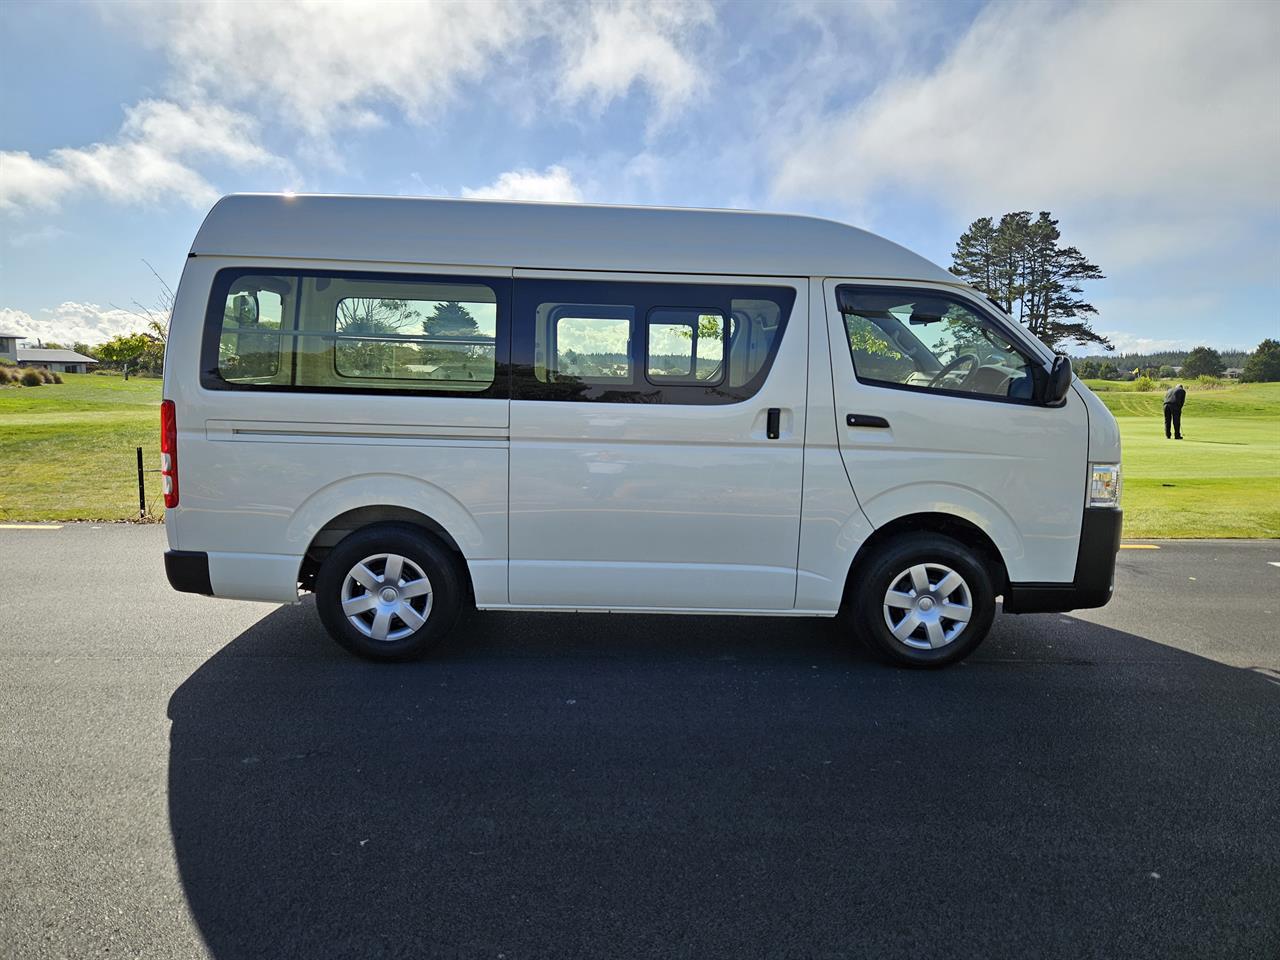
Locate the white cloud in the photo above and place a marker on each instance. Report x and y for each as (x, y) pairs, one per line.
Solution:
(69, 323)
(148, 161)
(618, 45)
(553, 184)
(1131, 343)
(1043, 106)
(26, 181)
(324, 68)
(198, 129)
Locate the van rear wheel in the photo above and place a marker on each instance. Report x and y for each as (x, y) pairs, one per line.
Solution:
(925, 600)
(388, 592)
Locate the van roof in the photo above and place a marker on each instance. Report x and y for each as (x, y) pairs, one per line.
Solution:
(559, 236)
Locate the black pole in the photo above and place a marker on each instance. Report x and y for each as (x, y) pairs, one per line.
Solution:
(142, 493)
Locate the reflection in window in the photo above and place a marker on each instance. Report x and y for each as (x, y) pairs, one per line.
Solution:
(754, 326)
(585, 342)
(249, 345)
(322, 331)
(593, 348)
(685, 345)
(415, 339)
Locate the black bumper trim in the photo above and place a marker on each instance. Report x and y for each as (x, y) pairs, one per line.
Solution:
(188, 571)
(1095, 571)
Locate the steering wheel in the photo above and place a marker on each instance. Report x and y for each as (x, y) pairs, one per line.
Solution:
(951, 368)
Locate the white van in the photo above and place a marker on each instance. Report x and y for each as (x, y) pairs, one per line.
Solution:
(405, 406)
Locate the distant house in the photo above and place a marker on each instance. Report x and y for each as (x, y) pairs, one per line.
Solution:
(9, 346)
(59, 361)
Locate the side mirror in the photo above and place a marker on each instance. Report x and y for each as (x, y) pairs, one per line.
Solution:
(1058, 381)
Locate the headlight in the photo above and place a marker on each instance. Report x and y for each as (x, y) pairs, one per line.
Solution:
(1104, 484)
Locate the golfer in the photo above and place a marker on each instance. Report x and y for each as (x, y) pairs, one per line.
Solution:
(1173, 401)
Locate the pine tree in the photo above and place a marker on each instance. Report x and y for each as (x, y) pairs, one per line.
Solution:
(1020, 266)
(450, 319)
(1203, 362)
(1263, 365)
(974, 257)
(1009, 250)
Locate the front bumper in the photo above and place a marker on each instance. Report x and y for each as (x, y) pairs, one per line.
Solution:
(1094, 576)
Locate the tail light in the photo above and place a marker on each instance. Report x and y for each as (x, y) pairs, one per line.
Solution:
(169, 453)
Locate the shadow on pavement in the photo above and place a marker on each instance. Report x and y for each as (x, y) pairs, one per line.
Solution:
(558, 786)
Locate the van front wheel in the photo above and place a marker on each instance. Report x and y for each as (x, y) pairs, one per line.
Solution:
(924, 601)
(388, 592)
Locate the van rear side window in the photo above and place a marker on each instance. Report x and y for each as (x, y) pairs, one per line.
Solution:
(367, 332)
(252, 318)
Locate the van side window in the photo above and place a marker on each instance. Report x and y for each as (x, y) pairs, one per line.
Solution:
(612, 341)
(584, 342)
(394, 330)
(324, 331)
(685, 345)
(754, 329)
(923, 340)
(249, 345)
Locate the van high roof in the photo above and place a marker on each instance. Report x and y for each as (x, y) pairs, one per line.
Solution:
(551, 236)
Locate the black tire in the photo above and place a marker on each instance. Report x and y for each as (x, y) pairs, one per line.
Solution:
(417, 549)
(888, 568)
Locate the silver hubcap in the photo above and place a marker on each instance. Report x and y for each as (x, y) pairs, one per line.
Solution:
(928, 606)
(386, 596)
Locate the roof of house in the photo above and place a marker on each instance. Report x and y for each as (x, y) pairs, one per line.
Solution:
(15, 336)
(484, 233)
(53, 356)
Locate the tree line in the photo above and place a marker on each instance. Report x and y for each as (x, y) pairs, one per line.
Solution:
(141, 352)
(1262, 365)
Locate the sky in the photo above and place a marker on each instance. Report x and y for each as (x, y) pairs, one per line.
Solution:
(1150, 130)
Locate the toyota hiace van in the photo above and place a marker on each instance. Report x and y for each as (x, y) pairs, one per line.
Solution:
(405, 406)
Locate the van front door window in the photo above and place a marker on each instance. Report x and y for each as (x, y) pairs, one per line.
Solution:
(920, 340)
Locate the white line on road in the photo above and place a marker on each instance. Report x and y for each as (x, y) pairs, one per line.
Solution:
(1273, 563)
(1138, 546)
(30, 526)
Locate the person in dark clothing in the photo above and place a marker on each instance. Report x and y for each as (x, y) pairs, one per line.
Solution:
(1173, 401)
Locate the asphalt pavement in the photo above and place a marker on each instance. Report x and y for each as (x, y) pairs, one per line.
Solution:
(186, 777)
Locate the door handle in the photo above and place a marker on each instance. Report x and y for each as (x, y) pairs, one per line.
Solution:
(863, 420)
(773, 424)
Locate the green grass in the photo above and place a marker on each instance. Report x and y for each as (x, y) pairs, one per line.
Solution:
(67, 450)
(1222, 480)
(67, 453)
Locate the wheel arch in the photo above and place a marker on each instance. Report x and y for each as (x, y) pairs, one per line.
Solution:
(957, 528)
(330, 534)
(339, 508)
